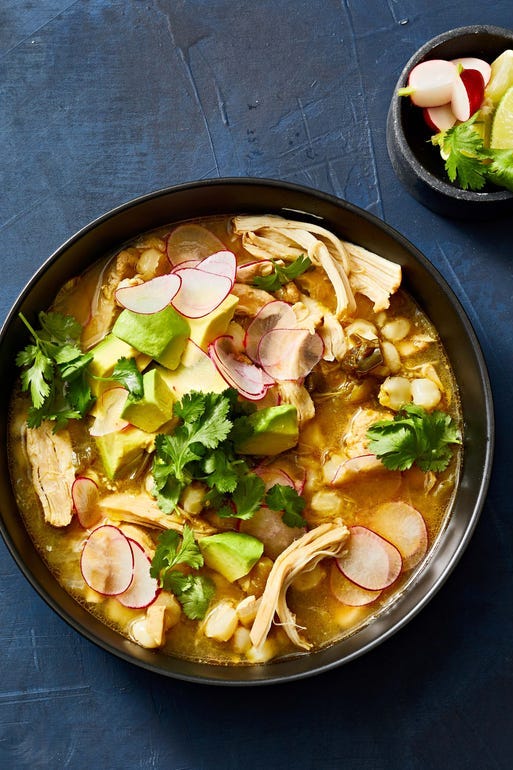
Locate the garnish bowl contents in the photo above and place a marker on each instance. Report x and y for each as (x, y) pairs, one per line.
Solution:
(438, 124)
(249, 436)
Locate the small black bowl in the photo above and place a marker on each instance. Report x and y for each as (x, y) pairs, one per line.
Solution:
(416, 162)
(424, 283)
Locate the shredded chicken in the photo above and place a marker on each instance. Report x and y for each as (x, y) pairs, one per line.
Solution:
(51, 460)
(297, 395)
(375, 277)
(143, 509)
(251, 300)
(326, 540)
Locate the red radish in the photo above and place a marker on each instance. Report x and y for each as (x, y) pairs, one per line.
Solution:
(191, 241)
(150, 296)
(189, 263)
(471, 63)
(200, 292)
(220, 263)
(107, 561)
(370, 561)
(468, 94)
(431, 83)
(272, 475)
(143, 589)
(289, 354)
(108, 411)
(439, 118)
(347, 592)
(404, 526)
(85, 496)
(250, 381)
(268, 527)
(274, 315)
(351, 468)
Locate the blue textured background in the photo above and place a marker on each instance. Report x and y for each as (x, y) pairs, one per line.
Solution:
(103, 100)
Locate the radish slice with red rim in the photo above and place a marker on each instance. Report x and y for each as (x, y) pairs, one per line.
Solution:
(289, 354)
(369, 560)
(107, 561)
(432, 82)
(86, 496)
(271, 475)
(350, 468)
(200, 292)
(220, 263)
(150, 296)
(108, 412)
(189, 263)
(439, 118)
(274, 315)
(249, 380)
(191, 241)
(143, 589)
(404, 527)
(467, 95)
(347, 592)
(472, 63)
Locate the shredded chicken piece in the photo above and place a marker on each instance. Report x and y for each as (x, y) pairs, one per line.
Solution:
(297, 395)
(326, 540)
(103, 307)
(246, 273)
(251, 300)
(313, 315)
(51, 460)
(375, 277)
(142, 509)
(355, 439)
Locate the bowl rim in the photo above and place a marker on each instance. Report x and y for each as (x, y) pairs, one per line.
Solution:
(441, 186)
(318, 662)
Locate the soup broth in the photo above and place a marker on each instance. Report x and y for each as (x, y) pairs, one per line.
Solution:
(307, 356)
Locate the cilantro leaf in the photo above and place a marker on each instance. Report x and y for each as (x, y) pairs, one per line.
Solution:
(281, 497)
(463, 148)
(127, 373)
(414, 436)
(194, 592)
(282, 274)
(247, 496)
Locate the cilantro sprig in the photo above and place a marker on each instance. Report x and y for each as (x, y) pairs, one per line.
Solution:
(127, 374)
(54, 370)
(282, 274)
(194, 592)
(468, 162)
(414, 436)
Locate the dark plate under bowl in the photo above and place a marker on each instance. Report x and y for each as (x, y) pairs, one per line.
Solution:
(232, 196)
(416, 162)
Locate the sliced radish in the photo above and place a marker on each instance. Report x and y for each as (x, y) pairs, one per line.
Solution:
(347, 592)
(404, 526)
(351, 468)
(268, 527)
(107, 561)
(191, 241)
(274, 315)
(85, 496)
(471, 63)
(431, 82)
(150, 296)
(188, 263)
(200, 292)
(143, 589)
(439, 118)
(220, 263)
(108, 411)
(289, 354)
(370, 561)
(467, 95)
(249, 380)
(272, 475)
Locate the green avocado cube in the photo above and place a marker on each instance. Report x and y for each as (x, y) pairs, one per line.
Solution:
(161, 335)
(119, 449)
(215, 323)
(156, 405)
(232, 554)
(275, 429)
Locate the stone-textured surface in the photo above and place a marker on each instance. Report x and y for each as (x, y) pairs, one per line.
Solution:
(107, 99)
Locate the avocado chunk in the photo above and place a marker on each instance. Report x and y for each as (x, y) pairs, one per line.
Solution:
(275, 429)
(196, 372)
(156, 405)
(119, 449)
(232, 554)
(161, 335)
(106, 354)
(206, 329)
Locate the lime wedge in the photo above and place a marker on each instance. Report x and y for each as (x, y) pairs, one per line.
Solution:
(502, 126)
(501, 78)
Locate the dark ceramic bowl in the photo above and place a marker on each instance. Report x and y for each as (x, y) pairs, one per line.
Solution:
(416, 162)
(232, 196)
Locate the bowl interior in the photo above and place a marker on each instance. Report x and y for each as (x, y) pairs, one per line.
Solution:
(421, 280)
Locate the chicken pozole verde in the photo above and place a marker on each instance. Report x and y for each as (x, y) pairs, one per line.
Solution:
(236, 439)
